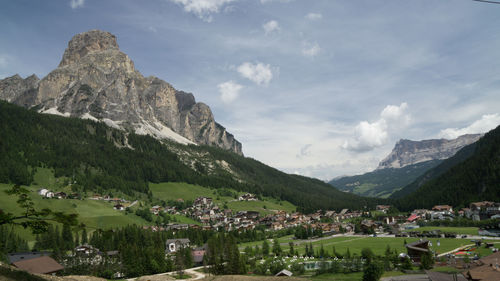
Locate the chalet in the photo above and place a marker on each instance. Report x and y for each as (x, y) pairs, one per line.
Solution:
(15, 257)
(173, 244)
(488, 268)
(40, 265)
(413, 218)
(156, 209)
(60, 195)
(49, 194)
(284, 272)
(119, 207)
(43, 192)
(86, 249)
(383, 208)
(247, 197)
(198, 255)
(484, 210)
(417, 249)
(203, 201)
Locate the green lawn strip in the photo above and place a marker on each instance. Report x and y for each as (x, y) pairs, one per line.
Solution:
(356, 276)
(458, 230)
(445, 269)
(183, 219)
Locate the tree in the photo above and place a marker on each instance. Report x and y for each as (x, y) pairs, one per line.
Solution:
(426, 261)
(292, 251)
(265, 248)
(36, 220)
(373, 272)
(367, 254)
(276, 247)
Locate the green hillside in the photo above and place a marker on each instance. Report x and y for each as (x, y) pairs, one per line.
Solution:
(473, 174)
(174, 191)
(98, 158)
(382, 183)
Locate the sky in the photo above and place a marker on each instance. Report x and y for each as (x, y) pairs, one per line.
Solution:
(321, 88)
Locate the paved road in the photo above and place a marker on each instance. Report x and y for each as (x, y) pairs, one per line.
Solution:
(413, 277)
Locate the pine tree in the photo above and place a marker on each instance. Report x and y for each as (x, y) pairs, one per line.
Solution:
(276, 247)
(84, 236)
(265, 248)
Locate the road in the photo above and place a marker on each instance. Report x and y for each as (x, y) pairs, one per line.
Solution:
(167, 275)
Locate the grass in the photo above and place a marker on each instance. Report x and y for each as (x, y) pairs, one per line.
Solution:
(458, 230)
(355, 276)
(173, 191)
(355, 244)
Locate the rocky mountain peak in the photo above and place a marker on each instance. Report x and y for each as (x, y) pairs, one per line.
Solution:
(408, 152)
(88, 42)
(95, 80)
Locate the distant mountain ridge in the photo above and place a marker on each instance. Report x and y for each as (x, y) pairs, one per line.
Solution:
(95, 80)
(408, 152)
(407, 162)
(471, 175)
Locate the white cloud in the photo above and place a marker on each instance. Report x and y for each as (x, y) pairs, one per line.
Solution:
(486, 123)
(259, 73)
(75, 4)
(310, 49)
(270, 26)
(314, 16)
(229, 91)
(203, 8)
(3, 61)
(368, 136)
(304, 151)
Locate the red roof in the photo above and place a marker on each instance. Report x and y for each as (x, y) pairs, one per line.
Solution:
(413, 217)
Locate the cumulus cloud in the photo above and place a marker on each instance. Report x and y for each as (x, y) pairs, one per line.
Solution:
(270, 26)
(259, 73)
(229, 91)
(314, 16)
(487, 123)
(310, 49)
(75, 4)
(368, 136)
(203, 8)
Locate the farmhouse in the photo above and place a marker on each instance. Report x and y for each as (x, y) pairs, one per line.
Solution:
(41, 265)
(174, 244)
(417, 249)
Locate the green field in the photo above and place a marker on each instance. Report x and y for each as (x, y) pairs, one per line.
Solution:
(458, 230)
(356, 244)
(173, 191)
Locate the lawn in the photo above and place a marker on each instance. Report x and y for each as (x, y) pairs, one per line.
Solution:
(355, 244)
(458, 230)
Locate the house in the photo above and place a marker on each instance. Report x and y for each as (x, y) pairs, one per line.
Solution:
(198, 255)
(488, 269)
(413, 217)
(484, 210)
(247, 197)
(43, 192)
(119, 207)
(173, 244)
(383, 208)
(417, 249)
(284, 272)
(49, 194)
(40, 265)
(86, 249)
(15, 257)
(60, 195)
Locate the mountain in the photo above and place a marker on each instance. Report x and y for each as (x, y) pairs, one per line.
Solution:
(101, 158)
(383, 182)
(95, 80)
(408, 152)
(408, 161)
(473, 174)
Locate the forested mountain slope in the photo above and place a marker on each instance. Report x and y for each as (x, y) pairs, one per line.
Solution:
(99, 158)
(383, 182)
(473, 174)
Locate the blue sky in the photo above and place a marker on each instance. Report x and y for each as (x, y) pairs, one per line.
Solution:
(317, 87)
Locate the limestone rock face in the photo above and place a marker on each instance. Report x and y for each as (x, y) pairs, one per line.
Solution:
(407, 152)
(95, 80)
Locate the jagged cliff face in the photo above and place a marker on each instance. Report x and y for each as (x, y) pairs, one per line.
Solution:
(95, 80)
(407, 152)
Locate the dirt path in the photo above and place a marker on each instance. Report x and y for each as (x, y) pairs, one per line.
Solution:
(195, 275)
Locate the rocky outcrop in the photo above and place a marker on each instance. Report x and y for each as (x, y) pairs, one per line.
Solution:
(407, 152)
(96, 80)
